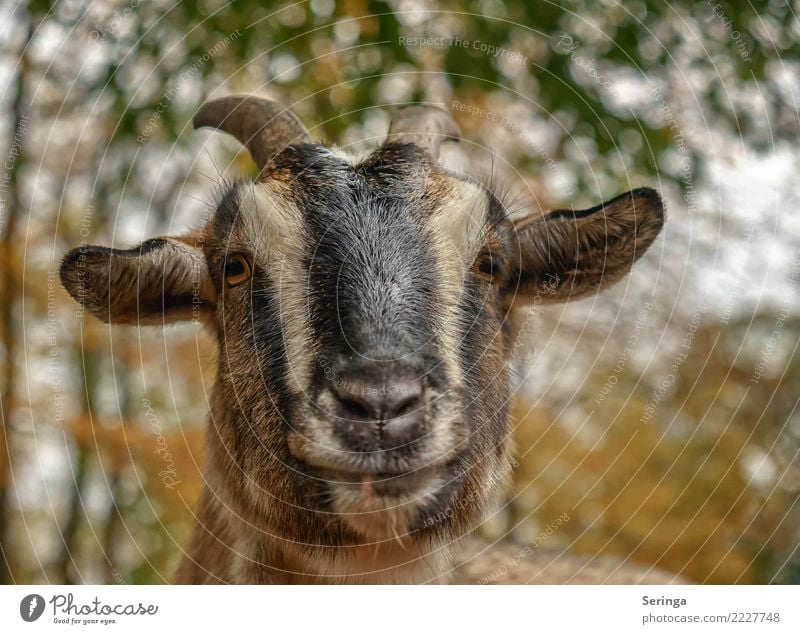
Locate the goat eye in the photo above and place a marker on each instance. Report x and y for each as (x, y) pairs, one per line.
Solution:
(237, 270)
(487, 266)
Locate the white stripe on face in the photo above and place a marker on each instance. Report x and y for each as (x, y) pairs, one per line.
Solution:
(457, 230)
(274, 230)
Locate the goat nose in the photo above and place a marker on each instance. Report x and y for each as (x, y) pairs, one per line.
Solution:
(375, 416)
(362, 399)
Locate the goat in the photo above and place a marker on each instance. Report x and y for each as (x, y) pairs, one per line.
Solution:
(364, 309)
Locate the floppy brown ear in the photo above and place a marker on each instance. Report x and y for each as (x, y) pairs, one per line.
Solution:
(161, 281)
(566, 254)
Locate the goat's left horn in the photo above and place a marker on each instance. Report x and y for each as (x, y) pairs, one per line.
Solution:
(263, 126)
(425, 126)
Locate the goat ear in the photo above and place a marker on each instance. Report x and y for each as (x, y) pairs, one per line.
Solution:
(163, 280)
(566, 255)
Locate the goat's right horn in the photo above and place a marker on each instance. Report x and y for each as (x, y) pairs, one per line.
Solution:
(263, 126)
(425, 126)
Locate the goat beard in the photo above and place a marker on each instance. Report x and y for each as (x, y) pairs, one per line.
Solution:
(383, 517)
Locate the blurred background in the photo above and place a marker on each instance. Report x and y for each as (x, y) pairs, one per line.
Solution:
(658, 422)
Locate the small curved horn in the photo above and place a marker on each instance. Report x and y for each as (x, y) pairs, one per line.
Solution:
(426, 126)
(263, 126)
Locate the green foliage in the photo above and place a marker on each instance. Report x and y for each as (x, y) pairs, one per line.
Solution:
(570, 50)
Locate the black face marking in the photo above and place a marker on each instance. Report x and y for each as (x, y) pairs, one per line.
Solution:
(370, 277)
(267, 334)
(371, 286)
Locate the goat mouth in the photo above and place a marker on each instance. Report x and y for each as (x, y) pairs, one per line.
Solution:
(377, 485)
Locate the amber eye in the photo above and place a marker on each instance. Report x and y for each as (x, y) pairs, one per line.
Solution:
(237, 269)
(487, 266)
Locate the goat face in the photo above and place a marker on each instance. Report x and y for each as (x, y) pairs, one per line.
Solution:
(362, 310)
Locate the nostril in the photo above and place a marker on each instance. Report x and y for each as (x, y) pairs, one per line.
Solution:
(403, 399)
(405, 417)
(354, 400)
(366, 400)
(406, 405)
(353, 408)
(372, 413)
